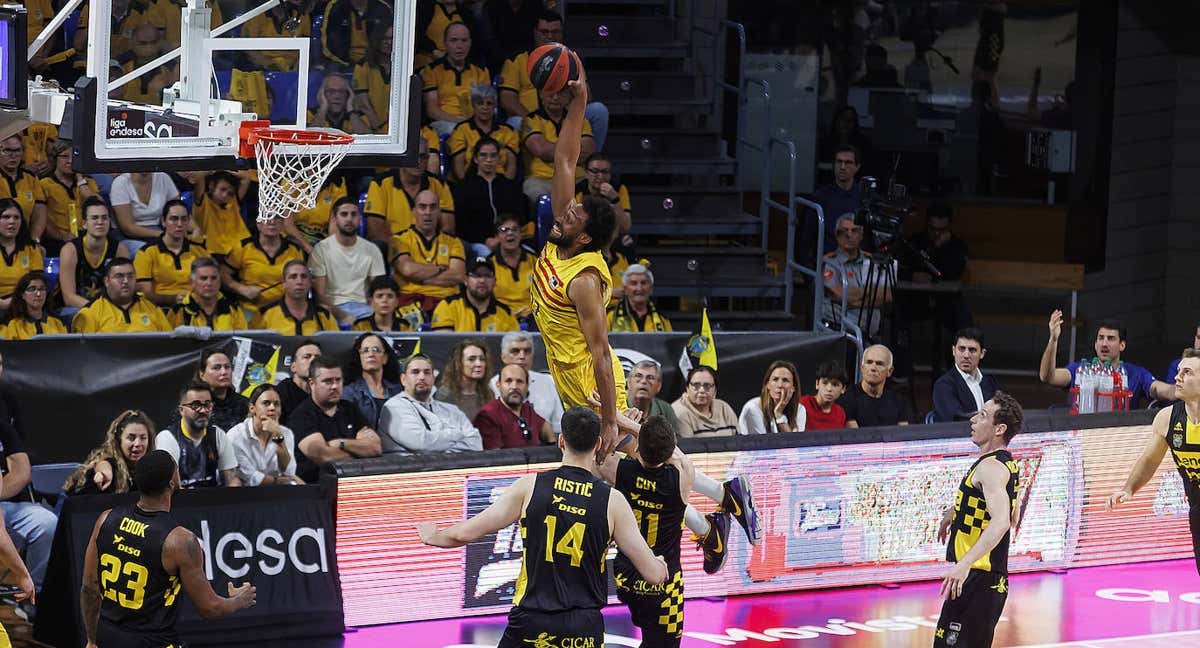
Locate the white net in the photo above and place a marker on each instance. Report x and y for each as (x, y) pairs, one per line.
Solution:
(292, 166)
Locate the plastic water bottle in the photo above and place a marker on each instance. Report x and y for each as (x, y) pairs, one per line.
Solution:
(1085, 376)
(1104, 390)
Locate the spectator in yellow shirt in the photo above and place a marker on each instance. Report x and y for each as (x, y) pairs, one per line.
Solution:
(204, 305)
(430, 265)
(28, 316)
(217, 211)
(475, 309)
(288, 19)
(334, 109)
(164, 267)
(483, 123)
(600, 181)
(120, 309)
(22, 186)
(636, 312)
(253, 270)
(372, 79)
(539, 134)
(390, 200)
(18, 254)
(147, 89)
(65, 192)
(448, 81)
(296, 313)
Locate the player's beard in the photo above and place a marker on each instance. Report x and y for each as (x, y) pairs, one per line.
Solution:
(562, 240)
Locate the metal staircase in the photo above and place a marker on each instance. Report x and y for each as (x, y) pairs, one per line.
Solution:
(660, 68)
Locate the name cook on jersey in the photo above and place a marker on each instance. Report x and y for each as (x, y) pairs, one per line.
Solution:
(234, 553)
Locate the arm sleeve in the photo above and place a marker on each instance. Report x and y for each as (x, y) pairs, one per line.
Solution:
(118, 193)
(165, 441)
(848, 402)
(375, 205)
(442, 320)
(750, 421)
(143, 265)
(226, 457)
(406, 428)
(245, 466)
(469, 438)
(945, 404)
(290, 439)
(801, 418)
(316, 261)
(377, 265)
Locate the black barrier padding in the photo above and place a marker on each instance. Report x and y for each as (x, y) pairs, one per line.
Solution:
(70, 387)
(290, 604)
(1036, 421)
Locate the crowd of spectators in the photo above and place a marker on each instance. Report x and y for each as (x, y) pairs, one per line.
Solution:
(454, 234)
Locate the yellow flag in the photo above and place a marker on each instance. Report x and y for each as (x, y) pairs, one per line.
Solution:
(700, 349)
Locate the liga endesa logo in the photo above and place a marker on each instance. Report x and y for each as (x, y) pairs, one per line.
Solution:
(743, 636)
(270, 552)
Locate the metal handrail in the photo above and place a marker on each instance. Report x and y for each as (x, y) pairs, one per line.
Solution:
(718, 69)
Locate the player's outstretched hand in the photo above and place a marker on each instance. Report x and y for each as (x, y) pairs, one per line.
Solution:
(1056, 322)
(426, 531)
(608, 440)
(246, 595)
(1116, 499)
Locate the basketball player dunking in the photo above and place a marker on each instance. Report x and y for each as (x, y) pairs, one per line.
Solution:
(136, 560)
(568, 516)
(978, 527)
(1175, 428)
(571, 288)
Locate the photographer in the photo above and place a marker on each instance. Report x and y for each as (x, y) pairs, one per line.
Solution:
(865, 291)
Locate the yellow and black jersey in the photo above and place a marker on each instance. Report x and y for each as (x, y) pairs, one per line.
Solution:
(622, 201)
(1183, 438)
(277, 317)
(64, 203)
(25, 188)
(436, 251)
(464, 137)
(406, 318)
(514, 75)
(436, 31)
(170, 273)
(120, 45)
(136, 592)
(387, 199)
(223, 227)
(514, 283)
(226, 316)
(13, 266)
(24, 328)
(653, 494)
(101, 315)
(376, 82)
(455, 313)
(89, 271)
(540, 123)
(313, 223)
(255, 267)
(268, 25)
(454, 86)
(165, 14)
(147, 89)
(971, 517)
(624, 319)
(566, 534)
(39, 135)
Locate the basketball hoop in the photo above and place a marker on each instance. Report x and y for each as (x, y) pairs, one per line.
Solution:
(292, 164)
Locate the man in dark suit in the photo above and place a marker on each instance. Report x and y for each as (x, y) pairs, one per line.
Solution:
(963, 390)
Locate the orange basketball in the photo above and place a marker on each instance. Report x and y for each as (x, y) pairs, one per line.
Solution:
(551, 66)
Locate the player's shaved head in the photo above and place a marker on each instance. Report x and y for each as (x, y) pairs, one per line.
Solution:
(154, 472)
(580, 429)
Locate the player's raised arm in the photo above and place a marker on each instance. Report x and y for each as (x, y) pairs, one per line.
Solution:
(182, 555)
(503, 512)
(630, 541)
(586, 293)
(1147, 463)
(566, 149)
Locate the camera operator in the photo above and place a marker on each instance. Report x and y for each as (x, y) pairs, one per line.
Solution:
(935, 248)
(843, 196)
(849, 260)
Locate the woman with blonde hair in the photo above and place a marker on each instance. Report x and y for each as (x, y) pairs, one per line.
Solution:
(464, 381)
(777, 408)
(109, 468)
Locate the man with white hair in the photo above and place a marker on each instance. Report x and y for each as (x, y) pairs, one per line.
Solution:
(516, 347)
(636, 312)
(849, 261)
(872, 403)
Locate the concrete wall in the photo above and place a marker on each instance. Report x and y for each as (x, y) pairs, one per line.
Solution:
(1155, 183)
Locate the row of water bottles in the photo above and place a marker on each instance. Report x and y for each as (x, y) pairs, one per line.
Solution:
(1099, 388)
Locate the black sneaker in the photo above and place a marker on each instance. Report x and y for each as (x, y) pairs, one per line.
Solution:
(739, 503)
(713, 542)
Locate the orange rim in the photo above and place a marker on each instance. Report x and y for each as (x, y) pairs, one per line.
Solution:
(251, 132)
